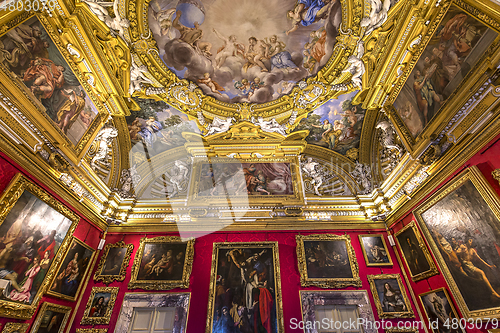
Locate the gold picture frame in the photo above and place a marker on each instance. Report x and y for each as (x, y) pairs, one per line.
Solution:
(15, 328)
(122, 268)
(20, 188)
(378, 259)
(61, 285)
(91, 330)
(245, 251)
(164, 243)
(43, 318)
(420, 253)
(309, 256)
(97, 312)
(469, 210)
(391, 305)
(401, 330)
(438, 296)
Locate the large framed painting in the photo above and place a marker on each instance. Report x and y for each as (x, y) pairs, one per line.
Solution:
(375, 250)
(37, 228)
(440, 312)
(415, 252)
(15, 328)
(41, 71)
(246, 277)
(390, 296)
(100, 306)
(246, 181)
(68, 281)
(458, 42)
(162, 263)
(114, 262)
(462, 225)
(51, 318)
(327, 261)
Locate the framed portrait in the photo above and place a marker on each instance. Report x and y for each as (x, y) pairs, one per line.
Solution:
(37, 229)
(375, 250)
(439, 310)
(100, 306)
(415, 252)
(390, 296)
(15, 328)
(51, 318)
(327, 261)
(246, 275)
(440, 68)
(67, 282)
(114, 262)
(162, 263)
(462, 225)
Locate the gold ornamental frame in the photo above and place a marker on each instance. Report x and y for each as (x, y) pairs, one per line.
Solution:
(91, 330)
(277, 278)
(401, 330)
(9, 198)
(162, 284)
(107, 279)
(46, 306)
(474, 175)
(15, 328)
(104, 320)
(449, 302)
(84, 275)
(378, 302)
(421, 243)
(296, 198)
(306, 281)
(381, 236)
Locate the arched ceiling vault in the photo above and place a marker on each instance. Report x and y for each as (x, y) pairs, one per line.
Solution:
(348, 109)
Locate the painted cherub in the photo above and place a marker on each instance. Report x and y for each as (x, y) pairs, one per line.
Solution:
(214, 86)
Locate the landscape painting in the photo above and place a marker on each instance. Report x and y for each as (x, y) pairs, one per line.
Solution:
(245, 179)
(29, 53)
(465, 231)
(156, 128)
(335, 125)
(251, 51)
(245, 281)
(454, 49)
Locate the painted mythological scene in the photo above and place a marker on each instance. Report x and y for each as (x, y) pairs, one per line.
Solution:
(245, 179)
(30, 54)
(31, 235)
(467, 233)
(457, 45)
(156, 128)
(335, 125)
(245, 291)
(251, 51)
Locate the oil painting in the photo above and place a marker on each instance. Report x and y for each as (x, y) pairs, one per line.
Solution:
(440, 311)
(454, 49)
(245, 290)
(335, 125)
(461, 222)
(51, 318)
(415, 252)
(73, 270)
(327, 261)
(245, 51)
(375, 250)
(100, 306)
(156, 128)
(34, 227)
(114, 262)
(162, 263)
(29, 53)
(245, 179)
(390, 296)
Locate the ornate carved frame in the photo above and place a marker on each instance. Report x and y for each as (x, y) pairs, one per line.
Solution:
(381, 236)
(51, 307)
(15, 327)
(104, 320)
(378, 301)
(107, 279)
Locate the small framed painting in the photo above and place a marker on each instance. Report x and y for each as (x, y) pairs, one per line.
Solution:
(390, 296)
(100, 306)
(439, 310)
(52, 318)
(375, 250)
(114, 262)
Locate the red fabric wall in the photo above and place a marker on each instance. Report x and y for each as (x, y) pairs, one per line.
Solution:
(85, 231)
(200, 277)
(486, 160)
